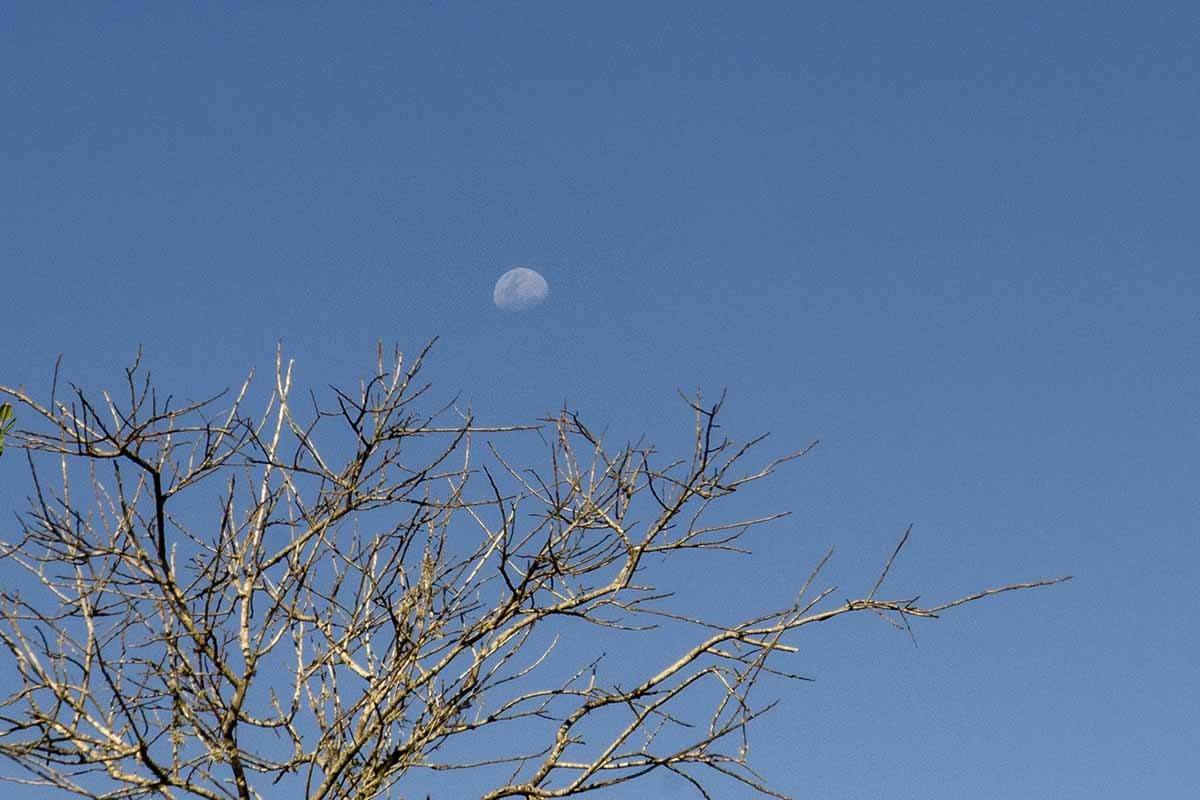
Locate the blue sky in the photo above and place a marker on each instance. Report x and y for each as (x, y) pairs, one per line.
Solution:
(955, 243)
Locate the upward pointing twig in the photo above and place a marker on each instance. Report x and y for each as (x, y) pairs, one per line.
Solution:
(888, 566)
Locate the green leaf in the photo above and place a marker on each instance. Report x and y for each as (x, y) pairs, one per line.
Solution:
(7, 420)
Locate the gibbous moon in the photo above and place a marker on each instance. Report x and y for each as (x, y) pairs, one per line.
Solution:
(520, 289)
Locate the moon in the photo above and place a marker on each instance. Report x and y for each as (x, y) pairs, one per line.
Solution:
(520, 289)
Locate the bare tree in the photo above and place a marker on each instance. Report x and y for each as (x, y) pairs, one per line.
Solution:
(337, 600)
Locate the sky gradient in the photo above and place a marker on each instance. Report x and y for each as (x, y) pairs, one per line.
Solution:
(958, 245)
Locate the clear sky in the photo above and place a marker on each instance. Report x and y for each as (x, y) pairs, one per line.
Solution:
(958, 244)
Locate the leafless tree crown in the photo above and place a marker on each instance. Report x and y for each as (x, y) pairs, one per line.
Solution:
(339, 599)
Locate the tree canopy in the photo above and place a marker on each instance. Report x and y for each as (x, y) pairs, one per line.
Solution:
(344, 597)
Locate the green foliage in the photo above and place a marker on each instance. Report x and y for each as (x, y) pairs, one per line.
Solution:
(7, 420)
